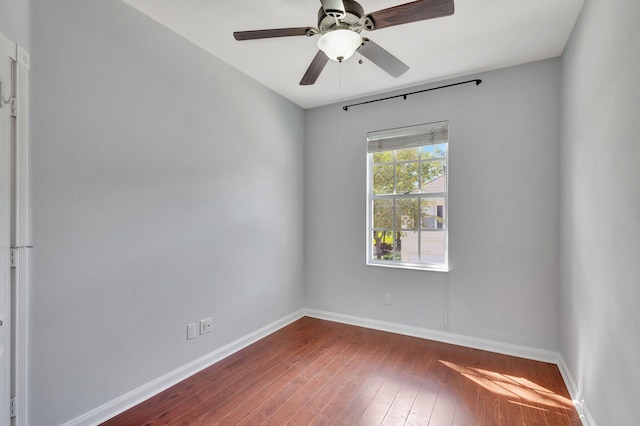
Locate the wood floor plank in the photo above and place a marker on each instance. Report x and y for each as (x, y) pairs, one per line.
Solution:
(399, 410)
(284, 405)
(251, 384)
(377, 409)
(450, 387)
(468, 411)
(335, 399)
(424, 403)
(288, 384)
(300, 402)
(316, 372)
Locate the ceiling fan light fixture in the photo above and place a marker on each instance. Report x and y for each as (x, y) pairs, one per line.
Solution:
(339, 44)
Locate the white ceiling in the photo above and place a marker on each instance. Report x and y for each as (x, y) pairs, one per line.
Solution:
(482, 35)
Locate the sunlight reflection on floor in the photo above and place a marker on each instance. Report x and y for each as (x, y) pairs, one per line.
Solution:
(513, 387)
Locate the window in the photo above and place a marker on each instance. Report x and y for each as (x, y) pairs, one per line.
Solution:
(407, 197)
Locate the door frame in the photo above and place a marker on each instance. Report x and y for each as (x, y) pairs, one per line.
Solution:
(21, 244)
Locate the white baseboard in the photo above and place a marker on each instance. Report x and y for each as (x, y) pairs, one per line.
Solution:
(440, 336)
(471, 342)
(575, 393)
(156, 386)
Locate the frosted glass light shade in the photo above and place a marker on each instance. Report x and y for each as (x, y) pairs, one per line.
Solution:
(339, 45)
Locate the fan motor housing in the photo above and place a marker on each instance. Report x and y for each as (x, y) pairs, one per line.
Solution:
(352, 18)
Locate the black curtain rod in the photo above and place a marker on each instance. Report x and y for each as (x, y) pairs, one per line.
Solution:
(476, 81)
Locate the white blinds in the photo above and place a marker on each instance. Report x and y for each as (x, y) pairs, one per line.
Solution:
(408, 137)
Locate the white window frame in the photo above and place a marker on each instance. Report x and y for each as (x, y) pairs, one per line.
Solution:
(399, 138)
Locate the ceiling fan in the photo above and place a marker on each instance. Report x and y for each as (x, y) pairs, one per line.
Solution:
(340, 23)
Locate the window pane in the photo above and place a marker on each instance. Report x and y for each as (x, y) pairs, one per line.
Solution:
(383, 214)
(407, 180)
(383, 178)
(407, 154)
(383, 245)
(433, 177)
(434, 151)
(383, 157)
(432, 246)
(407, 213)
(432, 213)
(409, 247)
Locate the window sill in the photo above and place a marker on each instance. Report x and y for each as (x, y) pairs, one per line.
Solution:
(411, 266)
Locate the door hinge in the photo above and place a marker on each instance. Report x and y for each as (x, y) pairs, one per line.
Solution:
(14, 257)
(14, 107)
(13, 407)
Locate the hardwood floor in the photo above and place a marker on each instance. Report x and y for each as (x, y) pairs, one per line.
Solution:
(316, 372)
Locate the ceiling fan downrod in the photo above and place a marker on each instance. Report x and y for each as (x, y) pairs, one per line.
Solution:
(334, 8)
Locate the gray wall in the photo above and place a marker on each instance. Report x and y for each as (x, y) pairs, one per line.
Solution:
(159, 173)
(14, 21)
(503, 214)
(601, 207)
(167, 188)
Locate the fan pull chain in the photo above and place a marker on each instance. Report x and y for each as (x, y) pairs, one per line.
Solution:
(340, 67)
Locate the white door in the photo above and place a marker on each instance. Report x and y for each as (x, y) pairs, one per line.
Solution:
(5, 234)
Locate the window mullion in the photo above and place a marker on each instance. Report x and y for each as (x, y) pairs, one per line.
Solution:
(395, 173)
(409, 195)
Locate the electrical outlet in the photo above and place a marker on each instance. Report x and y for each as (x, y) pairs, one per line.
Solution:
(387, 299)
(205, 325)
(191, 331)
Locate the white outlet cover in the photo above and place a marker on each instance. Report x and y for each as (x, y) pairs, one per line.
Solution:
(205, 325)
(191, 331)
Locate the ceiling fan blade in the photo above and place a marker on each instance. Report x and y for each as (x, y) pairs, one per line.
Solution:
(314, 70)
(277, 32)
(385, 60)
(409, 12)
